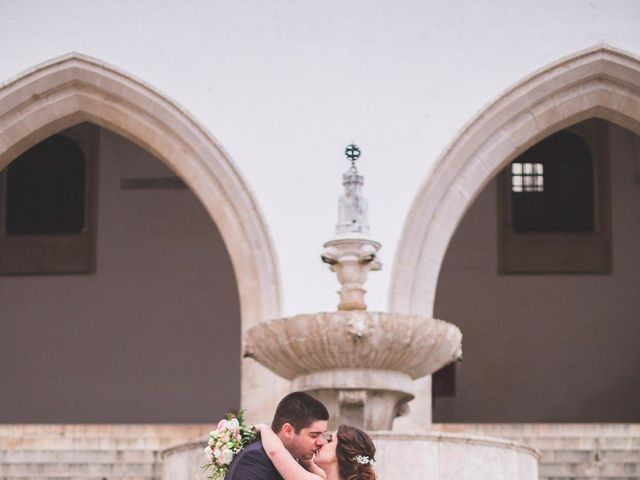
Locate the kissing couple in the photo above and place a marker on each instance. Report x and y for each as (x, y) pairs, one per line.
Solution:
(296, 447)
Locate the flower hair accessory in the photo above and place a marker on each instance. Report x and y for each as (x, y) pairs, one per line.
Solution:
(363, 460)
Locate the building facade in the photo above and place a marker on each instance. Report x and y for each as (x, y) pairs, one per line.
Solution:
(212, 136)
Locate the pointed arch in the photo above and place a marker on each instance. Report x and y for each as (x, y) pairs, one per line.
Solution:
(599, 82)
(75, 88)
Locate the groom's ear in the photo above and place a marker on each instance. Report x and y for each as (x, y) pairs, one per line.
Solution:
(288, 430)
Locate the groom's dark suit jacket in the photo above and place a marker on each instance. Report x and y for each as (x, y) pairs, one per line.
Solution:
(252, 463)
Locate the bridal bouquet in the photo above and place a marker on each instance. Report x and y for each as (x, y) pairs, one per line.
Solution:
(229, 437)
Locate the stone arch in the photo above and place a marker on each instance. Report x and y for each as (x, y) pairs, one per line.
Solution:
(75, 88)
(599, 82)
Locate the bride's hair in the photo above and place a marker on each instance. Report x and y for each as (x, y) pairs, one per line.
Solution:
(355, 452)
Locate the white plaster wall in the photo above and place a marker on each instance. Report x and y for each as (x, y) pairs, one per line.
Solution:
(285, 85)
(152, 336)
(546, 348)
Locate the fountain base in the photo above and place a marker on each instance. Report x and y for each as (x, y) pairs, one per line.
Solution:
(418, 456)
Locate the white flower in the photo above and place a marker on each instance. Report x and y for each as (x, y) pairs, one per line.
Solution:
(227, 456)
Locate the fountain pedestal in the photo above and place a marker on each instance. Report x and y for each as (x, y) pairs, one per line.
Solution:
(367, 398)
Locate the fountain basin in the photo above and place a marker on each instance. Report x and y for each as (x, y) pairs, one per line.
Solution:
(360, 364)
(307, 343)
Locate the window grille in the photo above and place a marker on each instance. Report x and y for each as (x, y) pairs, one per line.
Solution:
(527, 177)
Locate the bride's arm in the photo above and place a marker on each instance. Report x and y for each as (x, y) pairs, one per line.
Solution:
(284, 462)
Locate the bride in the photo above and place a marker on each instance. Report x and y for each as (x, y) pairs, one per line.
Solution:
(348, 455)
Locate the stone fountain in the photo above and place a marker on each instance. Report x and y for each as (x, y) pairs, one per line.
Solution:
(362, 366)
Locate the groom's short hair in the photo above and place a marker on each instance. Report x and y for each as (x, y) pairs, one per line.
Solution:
(300, 410)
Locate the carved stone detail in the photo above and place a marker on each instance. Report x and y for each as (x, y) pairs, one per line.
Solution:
(352, 259)
(306, 343)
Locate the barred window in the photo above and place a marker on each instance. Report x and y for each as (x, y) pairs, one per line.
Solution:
(552, 186)
(527, 177)
(554, 204)
(47, 207)
(46, 189)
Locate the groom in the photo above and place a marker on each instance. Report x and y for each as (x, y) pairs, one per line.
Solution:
(300, 421)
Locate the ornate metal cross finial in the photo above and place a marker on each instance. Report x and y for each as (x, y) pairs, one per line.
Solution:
(353, 153)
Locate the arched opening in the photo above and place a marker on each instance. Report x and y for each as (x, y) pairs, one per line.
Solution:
(74, 89)
(547, 314)
(600, 82)
(128, 338)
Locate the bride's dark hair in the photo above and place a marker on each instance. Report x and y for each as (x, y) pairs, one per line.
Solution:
(355, 452)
